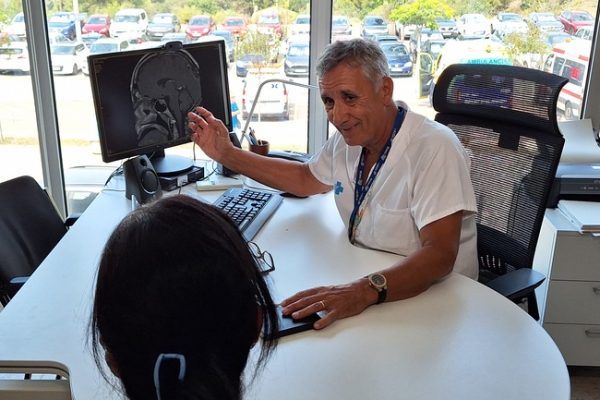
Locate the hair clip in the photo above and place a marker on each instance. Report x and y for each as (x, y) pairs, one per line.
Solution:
(157, 365)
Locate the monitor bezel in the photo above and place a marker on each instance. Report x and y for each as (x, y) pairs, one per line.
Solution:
(155, 149)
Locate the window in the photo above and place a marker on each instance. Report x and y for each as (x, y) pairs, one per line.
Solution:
(290, 128)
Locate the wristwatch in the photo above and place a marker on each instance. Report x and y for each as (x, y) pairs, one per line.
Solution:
(379, 283)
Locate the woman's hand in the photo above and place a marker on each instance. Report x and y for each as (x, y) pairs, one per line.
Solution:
(209, 133)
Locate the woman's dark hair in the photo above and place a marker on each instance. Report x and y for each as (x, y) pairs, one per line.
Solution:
(176, 276)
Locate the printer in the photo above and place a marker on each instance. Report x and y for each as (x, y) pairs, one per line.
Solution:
(577, 181)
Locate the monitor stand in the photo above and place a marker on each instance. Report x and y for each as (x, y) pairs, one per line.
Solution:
(171, 165)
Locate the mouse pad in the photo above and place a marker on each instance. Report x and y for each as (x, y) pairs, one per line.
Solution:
(289, 325)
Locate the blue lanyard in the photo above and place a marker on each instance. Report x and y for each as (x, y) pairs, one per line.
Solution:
(361, 190)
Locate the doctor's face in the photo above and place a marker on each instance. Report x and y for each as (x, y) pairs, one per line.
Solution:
(355, 105)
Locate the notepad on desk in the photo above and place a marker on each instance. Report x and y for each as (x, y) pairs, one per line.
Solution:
(585, 215)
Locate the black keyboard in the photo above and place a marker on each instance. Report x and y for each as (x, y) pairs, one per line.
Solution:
(249, 208)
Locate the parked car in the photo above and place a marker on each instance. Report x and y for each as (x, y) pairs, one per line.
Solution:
(97, 23)
(272, 100)
(63, 23)
(236, 25)
(14, 57)
(585, 33)
(68, 58)
(373, 25)
(408, 30)
(270, 24)
(162, 24)
(106, 45)
(505, 23)
(301, 25)
(385, 38)
(17, 26)
(247, 61)
(199, 25)
(296, 59)
(433, 47)
(573, 20)
(546, 22)
(340, 25)
(129, 21)
(229, 42)
(447, 27)
(398, 58)
(473, 25)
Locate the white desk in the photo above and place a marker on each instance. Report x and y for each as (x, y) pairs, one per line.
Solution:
(458, 340)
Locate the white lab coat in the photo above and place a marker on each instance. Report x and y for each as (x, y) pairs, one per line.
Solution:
(425, 178)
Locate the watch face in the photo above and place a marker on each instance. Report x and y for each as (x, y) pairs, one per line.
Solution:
(378, 280)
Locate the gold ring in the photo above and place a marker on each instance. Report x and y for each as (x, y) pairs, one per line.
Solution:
(322, 304)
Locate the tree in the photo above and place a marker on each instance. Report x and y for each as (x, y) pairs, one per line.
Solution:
(422, 12)
(358, 8)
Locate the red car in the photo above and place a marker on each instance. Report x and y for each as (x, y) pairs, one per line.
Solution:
(199, 25)
(573, 20)
(98, 23)
(270, 24)
(235, 25)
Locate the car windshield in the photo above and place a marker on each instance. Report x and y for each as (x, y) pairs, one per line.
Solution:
(298, 50)
(510, 17)
(546, 18)
(269, 19)
(374, 21)
(340, 22)
(97, 20)
(162, 19)
(62, 50)
(127, 18)
(19, 18)
(394, 49)
(199, 21)
(234, 22)
(302, 20)
(582, 17)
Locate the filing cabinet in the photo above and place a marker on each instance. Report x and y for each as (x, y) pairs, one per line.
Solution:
(569, 298)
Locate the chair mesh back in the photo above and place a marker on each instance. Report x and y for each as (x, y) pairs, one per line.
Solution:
(30, 227)
(506, 119)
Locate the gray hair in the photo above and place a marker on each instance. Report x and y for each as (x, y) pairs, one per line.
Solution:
(362, 53)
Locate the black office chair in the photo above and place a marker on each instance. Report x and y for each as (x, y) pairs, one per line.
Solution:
(505, 117)
(30, 227)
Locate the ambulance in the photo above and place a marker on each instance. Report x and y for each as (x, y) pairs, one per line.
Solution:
(570, 60)
(475, 51)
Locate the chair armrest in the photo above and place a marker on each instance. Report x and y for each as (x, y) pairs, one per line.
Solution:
(71, 219)
(517, 284)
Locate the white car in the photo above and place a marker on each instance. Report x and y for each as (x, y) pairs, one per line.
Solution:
(473, 25)
(14, 57)
(17, 26)
(301, 26)
(106, 45)
(272, 100)
(505, 23)
(68, 58)
(129, 21)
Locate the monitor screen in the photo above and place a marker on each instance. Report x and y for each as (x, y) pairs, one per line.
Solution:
(142, 98)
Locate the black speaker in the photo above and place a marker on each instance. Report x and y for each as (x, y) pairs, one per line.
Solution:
(141, 180)
(221, 169)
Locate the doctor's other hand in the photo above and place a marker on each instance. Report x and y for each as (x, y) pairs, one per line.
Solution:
(337, 302)
(209, 133)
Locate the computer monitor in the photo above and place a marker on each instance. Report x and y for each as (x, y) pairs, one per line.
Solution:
(142, 98)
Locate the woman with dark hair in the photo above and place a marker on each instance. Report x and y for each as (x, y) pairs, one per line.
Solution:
(179, 303)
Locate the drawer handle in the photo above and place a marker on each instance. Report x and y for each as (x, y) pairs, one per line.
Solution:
(596, 290)
(592, 333)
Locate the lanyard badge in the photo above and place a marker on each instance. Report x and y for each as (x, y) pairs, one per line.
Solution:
(362, 192)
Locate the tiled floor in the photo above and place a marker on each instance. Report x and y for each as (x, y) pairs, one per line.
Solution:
(585, 383)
